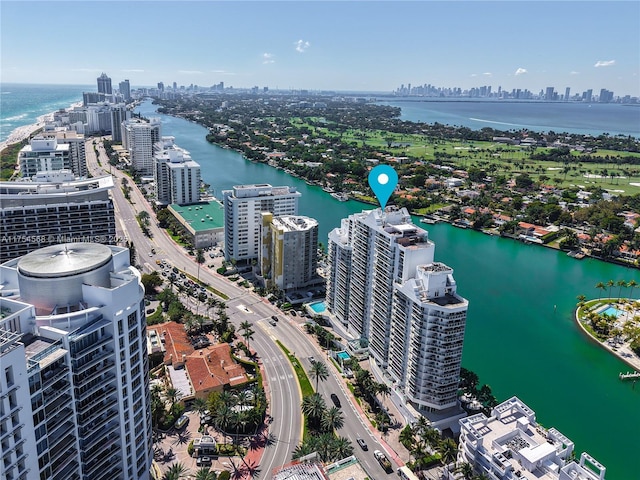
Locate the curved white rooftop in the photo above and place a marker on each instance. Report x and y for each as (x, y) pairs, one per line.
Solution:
(64, 260)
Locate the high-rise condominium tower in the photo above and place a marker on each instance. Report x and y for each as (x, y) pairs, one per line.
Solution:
(176, 175)
(139, 138)
(243, 208)
(385, 286)
(104, 84)
(74, 384)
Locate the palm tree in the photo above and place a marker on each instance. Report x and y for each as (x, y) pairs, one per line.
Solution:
(601, 286)
(332, 419)
(247, 333)
(199, 405)
(448, 451)
(632, 284)
(313, 406)
(341, 448)
(318, 372)
(172, 395)
(581, 299)
(620, 283)
(205, 473)
(199, 260)
(406, 436)
(466, 469)
(176, 471)
(610, 284)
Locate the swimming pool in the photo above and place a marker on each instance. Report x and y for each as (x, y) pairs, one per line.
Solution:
(343, 356)
(318, 307)
(611, 311)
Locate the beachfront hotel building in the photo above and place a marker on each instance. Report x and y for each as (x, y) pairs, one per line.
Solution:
(176, 175)
(510, 445)
(384, 286)
(43, 154)
(77, 150)
(288, 253)
(139, 138)
(54, 207)
(243, 208)
(74, 385)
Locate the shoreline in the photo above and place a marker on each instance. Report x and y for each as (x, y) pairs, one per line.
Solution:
(633, 362)
(23, 132)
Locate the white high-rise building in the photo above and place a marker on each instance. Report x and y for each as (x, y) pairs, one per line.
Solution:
(176, 175)
(384, 286)
(125, 90)
(74, 384)
(43, 155)
(510, 445)
(243, 208)
(139, 137)
(289, 251)
(76, 142)
(55, 207)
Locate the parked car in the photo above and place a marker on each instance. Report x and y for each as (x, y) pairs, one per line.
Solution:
(335, 400)
(181, 422)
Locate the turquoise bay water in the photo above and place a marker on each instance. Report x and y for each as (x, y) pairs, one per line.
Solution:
(521, 338)
(571, 117)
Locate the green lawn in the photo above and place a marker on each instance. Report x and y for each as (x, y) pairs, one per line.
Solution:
(498, 158)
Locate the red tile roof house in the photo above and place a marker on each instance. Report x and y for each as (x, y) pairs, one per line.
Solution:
(535, 230)
(208, 369)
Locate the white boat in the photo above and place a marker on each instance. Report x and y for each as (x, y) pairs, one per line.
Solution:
(343, 197)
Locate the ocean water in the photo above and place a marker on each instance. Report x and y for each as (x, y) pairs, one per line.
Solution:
(22, 104)
(570, 117)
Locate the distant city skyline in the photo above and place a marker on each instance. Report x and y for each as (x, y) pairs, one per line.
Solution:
(357, 46)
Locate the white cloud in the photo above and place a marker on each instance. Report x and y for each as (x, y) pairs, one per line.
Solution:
(474, 74)
(222, 72)
(521, 71)
(487, 74)
(190, 72)
(302, 45)
(573, 72)
(268, 58)
(604, 63)
(132, 70)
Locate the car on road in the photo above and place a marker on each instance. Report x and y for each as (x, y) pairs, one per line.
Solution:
(363, 444)
(312, 359)
(181, 422)
(383, 460)
(272, 322)
(335, 400)
(274, 318)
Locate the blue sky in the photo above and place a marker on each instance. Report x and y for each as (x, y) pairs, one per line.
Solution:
(346, 45)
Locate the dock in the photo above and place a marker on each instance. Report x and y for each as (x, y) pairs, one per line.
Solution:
(629, 375)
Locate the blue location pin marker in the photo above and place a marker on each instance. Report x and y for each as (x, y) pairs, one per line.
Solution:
(383, 180)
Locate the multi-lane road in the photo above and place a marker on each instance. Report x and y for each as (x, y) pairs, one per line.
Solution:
(285, 429)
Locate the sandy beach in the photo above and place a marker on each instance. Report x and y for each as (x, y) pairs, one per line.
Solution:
(20, 133)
